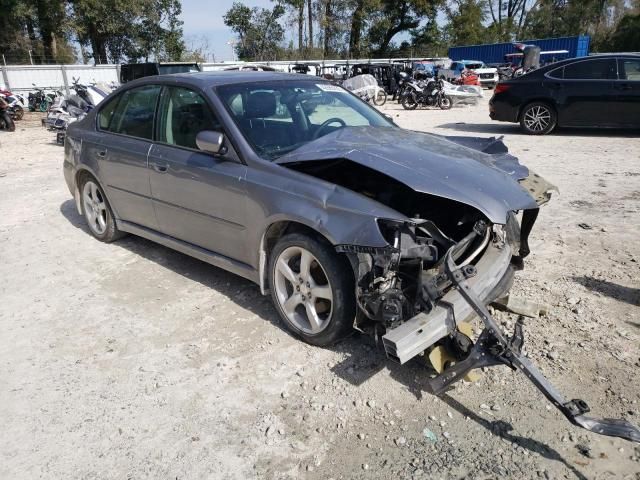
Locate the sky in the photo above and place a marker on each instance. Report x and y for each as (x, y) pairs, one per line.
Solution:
(203, 19)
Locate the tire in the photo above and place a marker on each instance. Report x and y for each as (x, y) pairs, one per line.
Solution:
(97, 211)
(445, 102)
(380, 98)
(409, 102)
(7, 123)
(18, 112)
(538, 118)
(319, 306)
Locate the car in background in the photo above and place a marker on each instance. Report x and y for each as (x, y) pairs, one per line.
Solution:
(488, 76)
(600, 91)
(133, 71)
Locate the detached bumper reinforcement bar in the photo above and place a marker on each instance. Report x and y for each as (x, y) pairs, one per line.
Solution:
(493, 348)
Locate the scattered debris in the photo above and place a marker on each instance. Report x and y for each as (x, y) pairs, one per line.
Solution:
(585, 226)
(429, 435)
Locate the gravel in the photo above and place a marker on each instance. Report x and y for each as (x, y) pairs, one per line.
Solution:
(129, 360)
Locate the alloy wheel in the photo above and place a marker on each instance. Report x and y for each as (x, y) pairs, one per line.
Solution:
(537, 118)
(95, 207)
(303, 290)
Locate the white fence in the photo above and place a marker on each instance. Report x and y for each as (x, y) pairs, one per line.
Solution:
(24, 77)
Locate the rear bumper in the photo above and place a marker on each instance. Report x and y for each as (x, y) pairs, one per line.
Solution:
(502, 111)
(494, 277)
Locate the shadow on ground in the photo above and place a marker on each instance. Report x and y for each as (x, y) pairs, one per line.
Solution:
(363, 358)
(514, 129)
(619, 292)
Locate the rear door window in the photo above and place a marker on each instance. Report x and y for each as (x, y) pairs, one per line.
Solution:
(598, 69)
(135, 112)
(629, 69)
(106, 113)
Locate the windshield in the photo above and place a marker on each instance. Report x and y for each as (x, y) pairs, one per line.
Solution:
(473, 66)
(278, 117)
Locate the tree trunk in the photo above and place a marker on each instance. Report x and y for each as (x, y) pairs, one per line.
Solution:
(301, 27)
(328, 28)
(310, 13)
(356, 29)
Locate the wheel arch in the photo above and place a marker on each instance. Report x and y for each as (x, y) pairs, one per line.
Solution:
(80, 173)
(274, 231)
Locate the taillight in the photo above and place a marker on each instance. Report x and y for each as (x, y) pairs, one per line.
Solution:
(502, 87)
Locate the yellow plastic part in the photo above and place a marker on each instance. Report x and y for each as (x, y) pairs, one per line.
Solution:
(440, 358)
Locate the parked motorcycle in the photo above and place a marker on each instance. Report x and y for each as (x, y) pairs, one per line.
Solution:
(72, 108)
(6, 122)
(14, 108)
(40, 100)
(429, 95)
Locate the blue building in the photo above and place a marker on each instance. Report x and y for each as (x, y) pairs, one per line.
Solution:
(494, 53)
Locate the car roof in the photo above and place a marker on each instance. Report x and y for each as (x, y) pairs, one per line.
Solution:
(222, 77)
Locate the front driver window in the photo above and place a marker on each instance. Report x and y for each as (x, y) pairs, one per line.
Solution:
(182, 115)
(629, 69)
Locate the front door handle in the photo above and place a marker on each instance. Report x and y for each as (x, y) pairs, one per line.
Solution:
(102, 153)
(160, 168)
(624, 86)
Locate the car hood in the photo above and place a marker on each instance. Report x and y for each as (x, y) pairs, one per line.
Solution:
(456, 168)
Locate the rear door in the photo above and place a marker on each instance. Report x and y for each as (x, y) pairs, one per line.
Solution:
(628, 92)
(199, 198)
(127, 133)
(584, 92)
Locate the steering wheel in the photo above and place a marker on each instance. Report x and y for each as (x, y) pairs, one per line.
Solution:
(326, 123)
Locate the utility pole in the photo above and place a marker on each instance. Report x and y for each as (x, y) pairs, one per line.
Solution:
(30, 57)
(4, 60)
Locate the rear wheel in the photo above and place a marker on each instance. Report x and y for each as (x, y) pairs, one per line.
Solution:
(312, 288)
(18, 112)
(538, 118)
(97, 212)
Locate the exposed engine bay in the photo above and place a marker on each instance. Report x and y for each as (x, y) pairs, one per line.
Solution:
(441, 267)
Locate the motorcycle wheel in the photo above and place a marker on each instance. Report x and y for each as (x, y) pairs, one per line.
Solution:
(10, 127)
(44, 106)
(380, 98)
(409, 102)
(18, 112)
(445, 102)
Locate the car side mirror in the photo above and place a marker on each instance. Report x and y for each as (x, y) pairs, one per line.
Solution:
(210, 141)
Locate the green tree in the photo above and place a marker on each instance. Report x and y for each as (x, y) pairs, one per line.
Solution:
(626, 37)
(465, 24)
(396, 16)
(258, 30)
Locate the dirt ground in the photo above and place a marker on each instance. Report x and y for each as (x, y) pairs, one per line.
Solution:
(131, 361)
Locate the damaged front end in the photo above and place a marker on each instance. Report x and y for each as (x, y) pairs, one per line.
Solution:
(416, 301)
(453, 248)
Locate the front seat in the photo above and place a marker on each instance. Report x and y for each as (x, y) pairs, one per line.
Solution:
(258, 106)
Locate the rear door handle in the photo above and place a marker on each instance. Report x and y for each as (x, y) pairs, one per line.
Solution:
(160, 168)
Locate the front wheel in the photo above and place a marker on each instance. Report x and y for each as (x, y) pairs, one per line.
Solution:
(380, 98)
(312, 288)
(444, 102)
(538, 118)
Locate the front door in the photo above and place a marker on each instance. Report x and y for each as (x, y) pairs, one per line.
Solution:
(628, 92)
(586, 93)
(198, 197)
(126, 126)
